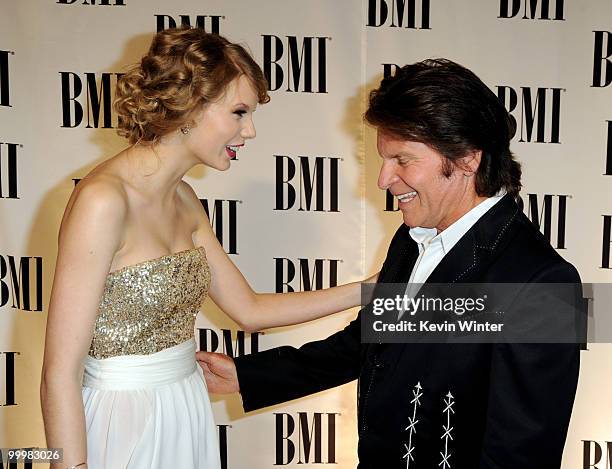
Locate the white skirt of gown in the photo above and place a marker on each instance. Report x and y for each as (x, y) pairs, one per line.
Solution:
(149, 411)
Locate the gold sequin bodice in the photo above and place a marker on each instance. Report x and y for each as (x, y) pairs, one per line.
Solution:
(150, 306)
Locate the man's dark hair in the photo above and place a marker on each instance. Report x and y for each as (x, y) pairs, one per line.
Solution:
(445, 106)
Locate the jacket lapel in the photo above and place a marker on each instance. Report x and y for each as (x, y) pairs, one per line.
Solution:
(473, 253)
(400, 270)
(400, 261)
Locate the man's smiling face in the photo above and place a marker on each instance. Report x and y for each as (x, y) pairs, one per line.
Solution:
(413, 172)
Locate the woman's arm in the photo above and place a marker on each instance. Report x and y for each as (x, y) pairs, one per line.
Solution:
(255, 311)
(89, 237)
(274, 309)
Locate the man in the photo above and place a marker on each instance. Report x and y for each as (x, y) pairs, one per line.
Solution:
(444, 139)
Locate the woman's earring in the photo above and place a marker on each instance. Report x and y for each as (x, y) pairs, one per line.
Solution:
(185, 130)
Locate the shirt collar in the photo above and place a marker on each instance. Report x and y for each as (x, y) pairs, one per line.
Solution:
(423, 236)
(451, 235)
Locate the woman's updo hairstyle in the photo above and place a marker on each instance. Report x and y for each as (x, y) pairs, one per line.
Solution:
(184, 69)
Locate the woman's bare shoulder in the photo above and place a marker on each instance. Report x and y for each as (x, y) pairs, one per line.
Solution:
(98, 197)
(101, 189)
(189, 197)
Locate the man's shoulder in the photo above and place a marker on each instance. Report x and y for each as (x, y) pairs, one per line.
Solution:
(529, 252)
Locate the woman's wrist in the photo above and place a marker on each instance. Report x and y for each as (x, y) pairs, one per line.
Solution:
(81, 465)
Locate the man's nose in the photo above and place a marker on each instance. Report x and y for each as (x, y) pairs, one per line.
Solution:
(387, 176)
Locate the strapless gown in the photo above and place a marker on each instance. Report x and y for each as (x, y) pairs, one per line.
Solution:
(145, 398)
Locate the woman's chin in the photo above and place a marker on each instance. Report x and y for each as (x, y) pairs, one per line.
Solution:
(220, 165)
(224, 166)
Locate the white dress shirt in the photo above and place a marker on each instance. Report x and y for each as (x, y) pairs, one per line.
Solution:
(433, 246)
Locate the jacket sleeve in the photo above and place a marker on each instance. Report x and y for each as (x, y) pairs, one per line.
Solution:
(532, 389)
(285, 373)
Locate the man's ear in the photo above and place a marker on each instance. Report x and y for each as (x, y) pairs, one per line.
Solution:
(469, 163)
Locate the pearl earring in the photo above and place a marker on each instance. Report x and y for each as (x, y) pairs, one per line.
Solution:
(185, 130)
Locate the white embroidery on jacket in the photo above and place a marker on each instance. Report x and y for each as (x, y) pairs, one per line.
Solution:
(448, 410)
(417, 393)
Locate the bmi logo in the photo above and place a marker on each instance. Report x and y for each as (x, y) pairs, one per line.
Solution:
(299, 64)
(210, 340)
(602, 65)
(209, 23)
(596, 455)
(307, 434)
(5, 95)
(546, 9)
(317, 180)
(7, 370)
(223, 215)
(409, 14)
(21, 281)
(542, 216)
(116, 3)
(540, 112)
(607, 240)
(9, 182)
(94, 106)
(313, 274)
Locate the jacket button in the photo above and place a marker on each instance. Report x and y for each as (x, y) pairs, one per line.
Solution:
(379, 365)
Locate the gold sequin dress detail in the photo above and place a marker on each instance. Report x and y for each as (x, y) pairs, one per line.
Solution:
(146, 402)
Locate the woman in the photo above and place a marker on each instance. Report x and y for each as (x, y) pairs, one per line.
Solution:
(137, 256)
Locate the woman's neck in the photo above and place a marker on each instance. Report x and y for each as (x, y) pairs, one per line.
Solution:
(157, 170)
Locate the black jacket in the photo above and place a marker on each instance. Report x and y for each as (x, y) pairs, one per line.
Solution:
(471, 405)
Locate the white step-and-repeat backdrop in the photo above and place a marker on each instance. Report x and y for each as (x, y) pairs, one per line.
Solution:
(299, 209)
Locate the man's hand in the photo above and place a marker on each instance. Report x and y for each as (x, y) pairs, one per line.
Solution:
(219, 372)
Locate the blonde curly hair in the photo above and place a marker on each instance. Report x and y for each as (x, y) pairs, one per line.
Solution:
(184, 69)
